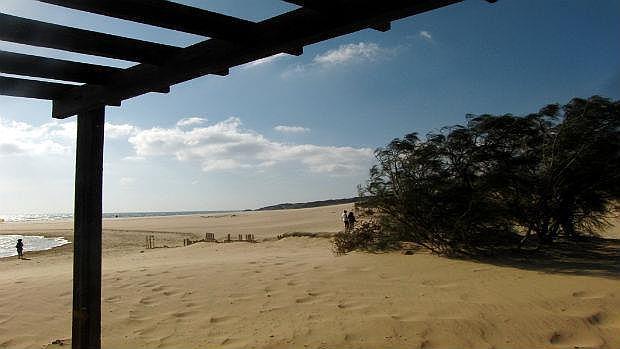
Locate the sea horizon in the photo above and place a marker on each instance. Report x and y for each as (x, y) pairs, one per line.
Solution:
(46, 217)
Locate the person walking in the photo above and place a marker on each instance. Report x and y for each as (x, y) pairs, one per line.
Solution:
(20, 249)
(345, 220)
(351, 220)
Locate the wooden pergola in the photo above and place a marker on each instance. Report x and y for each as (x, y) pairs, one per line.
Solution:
(229, 42)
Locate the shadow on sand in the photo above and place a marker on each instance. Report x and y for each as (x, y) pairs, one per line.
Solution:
(589, 257)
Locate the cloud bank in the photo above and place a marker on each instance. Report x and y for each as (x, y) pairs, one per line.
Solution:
(222, 146)
(226, 145)
(20, 138)
(291, 129)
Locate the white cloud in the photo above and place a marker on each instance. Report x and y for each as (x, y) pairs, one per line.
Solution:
(127, 181)
(291, 129)
(426, 35)
(191, 121)
(265, 61)
(52, 138)
(343, 55)
(223, 146)
(119, 131)
(363, 51)
(227, 146)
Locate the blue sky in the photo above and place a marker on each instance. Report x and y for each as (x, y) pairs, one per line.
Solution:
(303, 128)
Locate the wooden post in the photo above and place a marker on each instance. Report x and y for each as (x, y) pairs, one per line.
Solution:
(86, 326)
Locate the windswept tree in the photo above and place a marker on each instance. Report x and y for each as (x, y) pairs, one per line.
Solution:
(467, 187)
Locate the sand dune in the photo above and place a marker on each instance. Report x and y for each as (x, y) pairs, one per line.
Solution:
(295, 293)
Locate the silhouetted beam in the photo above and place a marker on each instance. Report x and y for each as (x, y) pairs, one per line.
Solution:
(58, 69)
(296, 2)
(337, 8)
(320, 5)
(37, 33)
(296, 28)
(382, 27)
(172, 15)
(31, 88)
(224, 72)
(168, 14)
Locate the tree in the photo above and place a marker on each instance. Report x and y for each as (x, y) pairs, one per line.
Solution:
(472, 187)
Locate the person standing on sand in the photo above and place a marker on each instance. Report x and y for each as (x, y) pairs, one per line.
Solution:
(20, 249)
(351, 220)
(345, 220)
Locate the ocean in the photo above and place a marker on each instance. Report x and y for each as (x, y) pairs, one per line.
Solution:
(31, 243)
(40, 243)
(68, 216)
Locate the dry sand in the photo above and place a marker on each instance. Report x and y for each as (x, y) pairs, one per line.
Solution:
(295, 293)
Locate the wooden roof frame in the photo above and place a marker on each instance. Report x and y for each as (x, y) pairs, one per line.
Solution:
(231, 42)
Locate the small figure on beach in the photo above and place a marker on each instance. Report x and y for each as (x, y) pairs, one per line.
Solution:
(20, 249)
(351, 220)
(345, 219)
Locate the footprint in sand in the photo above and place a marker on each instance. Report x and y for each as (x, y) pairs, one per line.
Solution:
(595, 319)
(221, 319)
(113, 299)
(303, 300)
(170, 293)
(147, 301)
(4, 318)
(184, 314)
(586, 295)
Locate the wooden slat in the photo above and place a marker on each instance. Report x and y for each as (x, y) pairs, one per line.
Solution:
(58, 69)
(37, 33)
(293, 29)
(168, 14)
(16, 87)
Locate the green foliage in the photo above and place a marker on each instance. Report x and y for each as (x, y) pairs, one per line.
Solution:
(367, 235)
(471, 188)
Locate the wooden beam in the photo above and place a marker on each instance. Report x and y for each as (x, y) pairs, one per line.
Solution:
(86, 323)
(296, 2)
(224, 72)
(58, 69)
(16, 87)
(37, 33)
(326, 7)
(168, 14)
(382, 27)
(296, 28)
(337, 8)
(172, 15)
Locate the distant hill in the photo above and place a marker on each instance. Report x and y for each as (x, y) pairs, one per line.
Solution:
(288, 206)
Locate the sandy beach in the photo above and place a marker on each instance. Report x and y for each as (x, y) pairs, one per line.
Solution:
(295, 293)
